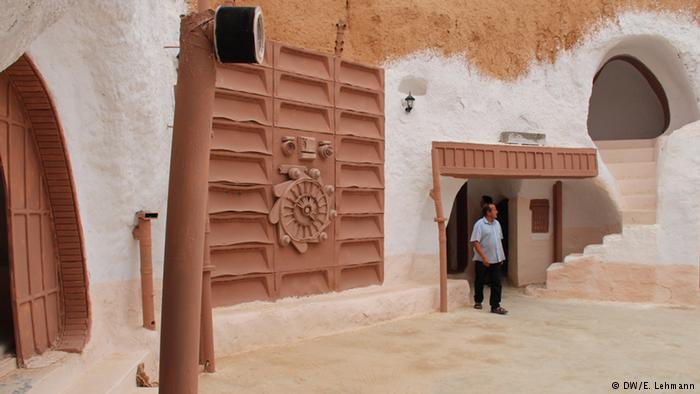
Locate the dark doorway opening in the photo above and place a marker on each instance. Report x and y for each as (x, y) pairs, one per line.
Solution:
(458, 234)
(502, 207)
(7, 335)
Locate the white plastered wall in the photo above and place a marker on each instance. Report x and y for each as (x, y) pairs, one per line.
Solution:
(112, 80)
(460, 104)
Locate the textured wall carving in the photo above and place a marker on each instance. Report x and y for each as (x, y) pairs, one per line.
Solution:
(296, 196)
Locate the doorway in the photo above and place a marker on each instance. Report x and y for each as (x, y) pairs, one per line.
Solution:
(502, 208)
(458, 233)
(7, 329)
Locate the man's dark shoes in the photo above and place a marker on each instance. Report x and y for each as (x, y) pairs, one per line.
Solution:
(499, 310)
(478, 305)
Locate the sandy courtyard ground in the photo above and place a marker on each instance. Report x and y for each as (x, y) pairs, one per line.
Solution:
(542, 346)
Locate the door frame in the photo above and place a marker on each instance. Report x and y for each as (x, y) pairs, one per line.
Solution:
(468, 161)
(46, 133)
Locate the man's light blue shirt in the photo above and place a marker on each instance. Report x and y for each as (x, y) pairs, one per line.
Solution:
(489, 236)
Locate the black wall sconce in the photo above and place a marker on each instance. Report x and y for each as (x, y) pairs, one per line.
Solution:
(409, 102)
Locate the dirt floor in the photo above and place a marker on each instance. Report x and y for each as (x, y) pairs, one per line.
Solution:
(542, 346)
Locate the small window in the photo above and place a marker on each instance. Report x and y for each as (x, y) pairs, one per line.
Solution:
(540, 215)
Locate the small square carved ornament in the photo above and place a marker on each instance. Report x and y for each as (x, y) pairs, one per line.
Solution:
(540, 215)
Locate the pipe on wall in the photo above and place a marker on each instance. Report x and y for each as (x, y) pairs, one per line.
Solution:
(142, 233)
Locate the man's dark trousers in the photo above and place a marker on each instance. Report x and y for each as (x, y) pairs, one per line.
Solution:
(493, 275)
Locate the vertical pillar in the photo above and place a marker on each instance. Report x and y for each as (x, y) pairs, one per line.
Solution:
(558, 223)
(206, 344)
(442, 236)
(187, 203)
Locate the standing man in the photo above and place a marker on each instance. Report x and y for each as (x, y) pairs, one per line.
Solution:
(488, 256)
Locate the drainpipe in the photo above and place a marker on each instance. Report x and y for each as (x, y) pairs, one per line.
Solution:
(142, 232)
(206, 344)
(187, 206)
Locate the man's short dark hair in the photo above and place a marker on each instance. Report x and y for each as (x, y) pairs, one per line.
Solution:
(486, 209)
(485, 200)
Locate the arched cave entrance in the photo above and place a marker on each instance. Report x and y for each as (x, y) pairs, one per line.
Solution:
(627, 102)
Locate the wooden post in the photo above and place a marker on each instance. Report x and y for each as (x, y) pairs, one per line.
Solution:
(206, 344)
(187, 206)
(442, 236)
(558, 223)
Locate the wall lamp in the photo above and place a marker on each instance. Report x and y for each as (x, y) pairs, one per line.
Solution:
(409, 102)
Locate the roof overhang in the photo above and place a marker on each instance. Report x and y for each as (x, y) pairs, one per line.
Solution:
(466, 160)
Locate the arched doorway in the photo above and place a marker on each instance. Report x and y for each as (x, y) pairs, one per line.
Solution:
(44, 248)
(627, 102)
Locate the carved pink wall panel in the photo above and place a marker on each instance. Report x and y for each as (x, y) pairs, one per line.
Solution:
(358, 124)
(283, 137)
(244, 78)
(356, 200)
(305, 155)
(303, 283)
(362, 251)
(241, 137)
(359, 276)
(359, 75)
(301, 116)
(224, 198)
(359, 175)
(359, 99)
(233, 290)
(303, 89)
(243, 107)
(275, 231)
(243, 259)
(359, 150)
(239, 168)
(474, 160)
(300, 61)
(239, 229)
(359, 227)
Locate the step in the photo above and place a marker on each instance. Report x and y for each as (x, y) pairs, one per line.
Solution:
(594, 250)
(570, 258)
(114, 374)
(632, 170)
(617, 144)
(627, 155)
(638, 186)
(249, 326)
(639, 202)
(51, 372)
(639, 216)
(144, 390)
(7, 365)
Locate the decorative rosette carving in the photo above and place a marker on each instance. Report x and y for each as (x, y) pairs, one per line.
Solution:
(302, 210)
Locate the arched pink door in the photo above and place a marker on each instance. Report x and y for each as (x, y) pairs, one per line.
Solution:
(35, 288)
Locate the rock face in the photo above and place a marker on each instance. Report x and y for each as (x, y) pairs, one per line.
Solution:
(503, 39)
(21, 22)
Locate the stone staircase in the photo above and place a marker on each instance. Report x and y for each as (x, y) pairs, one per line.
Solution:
(633, 164)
